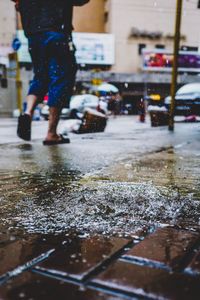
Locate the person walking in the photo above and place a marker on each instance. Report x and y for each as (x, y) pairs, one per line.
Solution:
(48, 26)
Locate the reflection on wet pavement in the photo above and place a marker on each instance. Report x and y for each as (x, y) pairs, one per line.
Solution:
(80, 265)
(73, 253)
(70, 258)
(81, 256)
(36, 287)
(17, 250)
(165, 248)
(149, 282)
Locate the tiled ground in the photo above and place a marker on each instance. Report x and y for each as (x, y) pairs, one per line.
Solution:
(164, 264)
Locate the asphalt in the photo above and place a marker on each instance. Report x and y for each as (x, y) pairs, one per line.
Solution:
(112, 215)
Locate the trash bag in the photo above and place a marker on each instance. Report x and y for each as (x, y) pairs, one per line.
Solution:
(92, 121)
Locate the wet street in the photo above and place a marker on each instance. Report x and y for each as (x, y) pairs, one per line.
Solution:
(71, 211)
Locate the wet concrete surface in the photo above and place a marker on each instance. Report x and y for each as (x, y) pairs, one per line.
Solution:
(166, 247)
(149, 282)
(125, 178)
(124, 182)
(81, 256)
(33, 286)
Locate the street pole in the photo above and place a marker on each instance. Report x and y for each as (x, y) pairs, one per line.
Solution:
(175, 63)
(18, 84)
(18, 73)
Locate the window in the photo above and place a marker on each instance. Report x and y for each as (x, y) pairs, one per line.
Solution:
(140, 47)
(189, 48)
(160, 46)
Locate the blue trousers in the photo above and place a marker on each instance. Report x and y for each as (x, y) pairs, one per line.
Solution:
(54, 66)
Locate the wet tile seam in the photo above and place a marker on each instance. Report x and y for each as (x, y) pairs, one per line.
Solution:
(31, 264)
(180, 268)
(115, 292)
(28, 265)
(145, 263)
(189, 255)
(56, 275)
(117, 255)
(118, 292)
(97, 269)
(192, 273)
(100, 267)
(89, 285)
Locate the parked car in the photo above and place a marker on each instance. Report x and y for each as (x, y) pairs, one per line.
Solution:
(187, 100)
(81, 102)
(65, 113)
(77, 106)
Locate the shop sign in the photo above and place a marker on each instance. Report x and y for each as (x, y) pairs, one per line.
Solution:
(162, 61)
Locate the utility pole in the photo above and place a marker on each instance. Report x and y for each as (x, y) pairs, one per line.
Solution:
(18, 84)
(175, 63)
(18, 73)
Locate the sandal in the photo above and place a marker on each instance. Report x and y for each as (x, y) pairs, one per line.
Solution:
(62, 140)
(24, 127)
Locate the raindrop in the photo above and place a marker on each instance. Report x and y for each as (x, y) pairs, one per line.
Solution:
(22, 295)
(73, 256)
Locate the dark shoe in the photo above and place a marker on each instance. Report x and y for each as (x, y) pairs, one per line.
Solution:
(62, 140)
(24, 127)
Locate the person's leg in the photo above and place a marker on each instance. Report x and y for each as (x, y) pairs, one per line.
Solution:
(62, 70)
(32, 101)
(52, 137)
(38, 86)
(54, 115)
(24, 121)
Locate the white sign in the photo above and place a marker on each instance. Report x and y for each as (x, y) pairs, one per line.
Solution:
(94, 48)
(91, 48)
(23, 53)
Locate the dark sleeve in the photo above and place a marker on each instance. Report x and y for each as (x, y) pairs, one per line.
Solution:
(79, 2)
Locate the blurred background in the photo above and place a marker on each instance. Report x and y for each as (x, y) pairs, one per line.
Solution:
(128, 44)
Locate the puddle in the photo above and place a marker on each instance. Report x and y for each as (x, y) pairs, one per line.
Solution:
(48, 195)
(104, 207)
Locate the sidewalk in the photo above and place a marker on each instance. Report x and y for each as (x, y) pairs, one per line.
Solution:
(164, 264)
(114, 215)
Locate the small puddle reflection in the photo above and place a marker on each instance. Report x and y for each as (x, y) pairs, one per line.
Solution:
(72, 252)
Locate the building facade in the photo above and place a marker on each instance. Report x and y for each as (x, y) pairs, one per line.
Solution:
(136, 24)
(7, 23)
(148, 23)
(91, 17)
